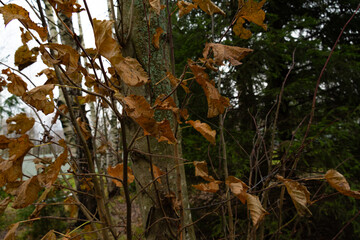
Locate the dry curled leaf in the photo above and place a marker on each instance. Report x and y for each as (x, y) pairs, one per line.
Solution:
(49, 236)
(211, 187)
(13, 11)
(209, 7)
(25, 36)
(27, 193)
(156, 37)
(257, 212)
(84, 128)
(155, 5)
(338, 181)
(4, 142)
(3, 204)
(140, 110)
(20, 123)
(50, 74)
(66, 7)
(299, 195)
(175, 81)
(223, 52)
(216, 102)
(17, 86)
(252, 12)
(117, 172)
(12, 231)
(185, 7)
(65, 54)
(37, 97)
(129, 69)
(24, 57)
(204, 129)
(237, 187)
(157, 172)
(201, 169)
(39, 207)
(48, 177)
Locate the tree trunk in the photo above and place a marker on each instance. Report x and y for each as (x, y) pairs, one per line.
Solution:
(161, 220)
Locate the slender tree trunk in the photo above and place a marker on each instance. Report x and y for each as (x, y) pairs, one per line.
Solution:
(161, 217)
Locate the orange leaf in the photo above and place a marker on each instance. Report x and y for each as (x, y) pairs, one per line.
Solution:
(201, 169)
(36, 97)
(140, 110)
(156, 6)
(50, 74)
(13, 11)
(338, 181)
(299, 195)
(50, 174)
(17, 86)
(84, 128)
(25, 57)
(175, 81)
(251, 11)
(156, 37)
(237, 187)
(117, 172)
(3, 204)
(211, 187)
(4, 142)
(257, 212)
(167, 104)
(25, 36)
(216, 102)
(27, 193)
(11, 233)
(66, 7)
(157, 172)
(209, 7)
(22, 123)
(185, 7)
(204, 129)
(224, 52)
(129, 69)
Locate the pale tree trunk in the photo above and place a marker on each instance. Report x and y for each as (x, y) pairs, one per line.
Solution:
(160, 219)
(77, 153)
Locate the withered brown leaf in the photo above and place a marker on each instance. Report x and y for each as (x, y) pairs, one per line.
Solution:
(204, 129)
(37, 97)
(19, 123)
(117, 171)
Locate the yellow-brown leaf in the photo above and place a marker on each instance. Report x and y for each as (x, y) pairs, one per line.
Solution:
(209, 7)
(224, 52)
(257, 212)
(84, 128)
(66, 7)
(155, 5)
(237, 187)
(13, 11)
(338, 181)
(204, 129)
(17, 86)
(37, 97)
(157, 172)
(156, 37)
(185, 7)
(49, 236)
(24, 57)
(117, 172)
(20, 123)
(27, 193)
(299, 195)
(211, 187)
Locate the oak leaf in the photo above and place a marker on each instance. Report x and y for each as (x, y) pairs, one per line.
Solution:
(11, 233)
(338, 181)
(117, 172)
(156, 37)
(224, 52)
(17, 86)
(37, 97)
(204, 129)
(237, 187)
(216, 102)
(185, 7)
(209, 7)
(257, 212)
(21, 124)
(299, 195)
(27, 193)
(13, 11)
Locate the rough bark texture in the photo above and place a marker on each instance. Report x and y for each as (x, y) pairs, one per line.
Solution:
(154, 204)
